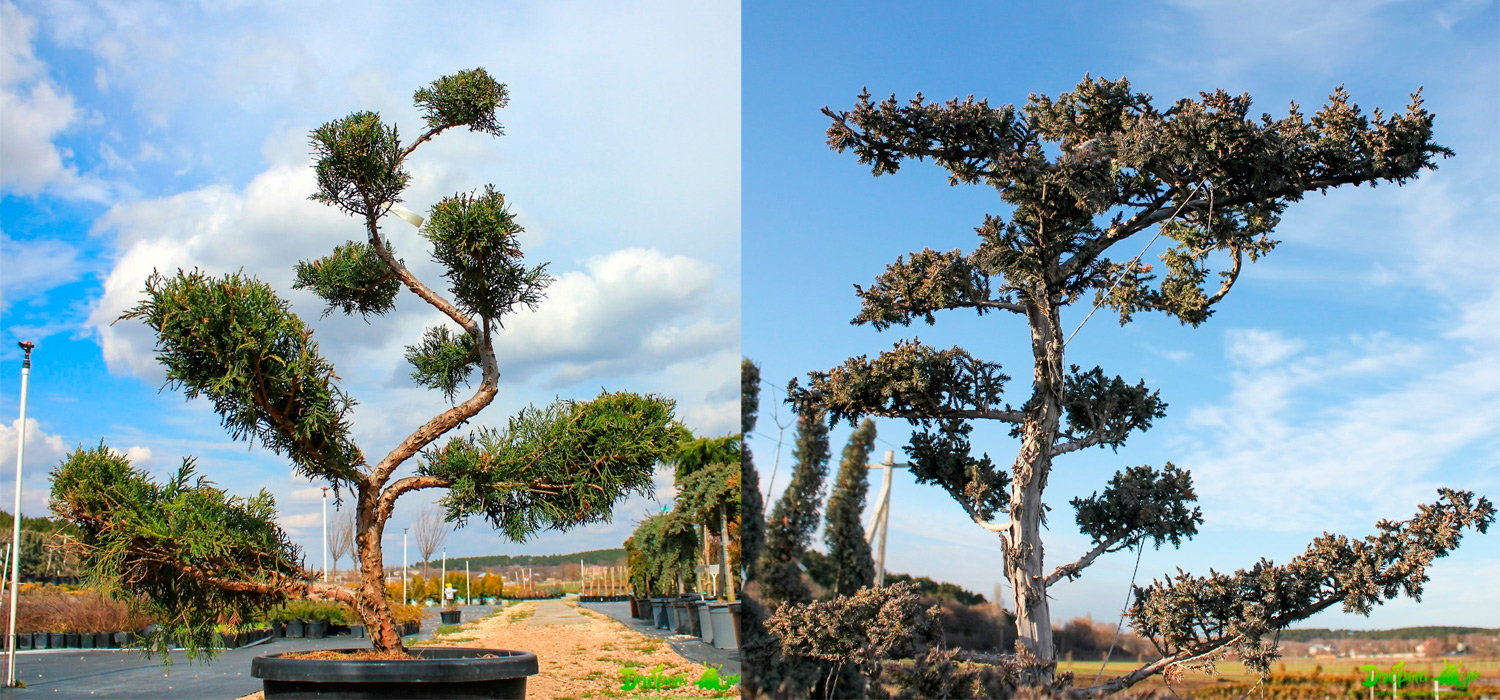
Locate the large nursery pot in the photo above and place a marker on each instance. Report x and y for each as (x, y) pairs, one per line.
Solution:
(726, 634)
(705, 624)
(680, 615)
(294, 629)
(317, 629)
(451, 617)
(659, 612)
(438, 672)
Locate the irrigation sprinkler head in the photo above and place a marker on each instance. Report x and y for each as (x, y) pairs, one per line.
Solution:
(27, 346)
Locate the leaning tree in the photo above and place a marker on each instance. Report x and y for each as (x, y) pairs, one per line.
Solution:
(193, 555)
(1083, 175)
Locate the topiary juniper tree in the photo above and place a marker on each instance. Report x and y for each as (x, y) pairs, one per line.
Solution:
(848, 551)
(194, 556)
(1083, 174)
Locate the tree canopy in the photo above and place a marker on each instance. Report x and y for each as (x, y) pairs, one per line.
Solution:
(1079, 175)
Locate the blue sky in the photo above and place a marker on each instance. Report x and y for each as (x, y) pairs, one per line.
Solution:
(165, 135)
(1348, 375)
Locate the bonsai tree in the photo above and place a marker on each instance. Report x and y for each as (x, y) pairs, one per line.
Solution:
(1084, 174)
(190, 554)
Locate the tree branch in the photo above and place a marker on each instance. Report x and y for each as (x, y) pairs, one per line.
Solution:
(1071, 570)
(424, 138)
(1085, 442)
(1119, 683)
(1157, 213)
(1011, 416)
(388, 498)
(293, 588)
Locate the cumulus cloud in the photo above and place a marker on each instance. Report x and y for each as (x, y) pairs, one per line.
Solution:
(43, 452)
(625, 311)
(36, 110)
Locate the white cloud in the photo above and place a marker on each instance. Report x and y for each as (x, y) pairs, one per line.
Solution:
(43, 453)
(628, 310)
(1395, 420)
(35, 110)
(34, 267)
(1257, 348)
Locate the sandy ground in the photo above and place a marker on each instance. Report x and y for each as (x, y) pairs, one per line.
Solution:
(579, 661)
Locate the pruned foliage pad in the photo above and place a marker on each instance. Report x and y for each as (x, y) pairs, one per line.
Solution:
(352, 279)
(443, 360)
(234, 341)
(466, 98)
(359, 164)
(1188, 613)
(168, 549)
(474, 239)
(557, 467)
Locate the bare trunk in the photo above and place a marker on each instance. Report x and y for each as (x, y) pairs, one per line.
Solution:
(371, 604)
(1023, 543)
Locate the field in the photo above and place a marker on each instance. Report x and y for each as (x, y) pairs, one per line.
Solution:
(1298, 678)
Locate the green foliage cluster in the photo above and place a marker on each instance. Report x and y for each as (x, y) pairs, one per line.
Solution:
(663, 552)
(880, 637)
(556, 467)
(359, 164)
(352, 279)
(474, 238)
(443, 360)
(232, 340)
(466, 98)
(169, 548)
(1140, 503)
(332, 613)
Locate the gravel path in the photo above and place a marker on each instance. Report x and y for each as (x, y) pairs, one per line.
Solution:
(583, 655)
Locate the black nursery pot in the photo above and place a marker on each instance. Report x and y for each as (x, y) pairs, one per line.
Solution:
(317, 629)
(294, 629)
(278, 628)
(461, 674)
(451, 617)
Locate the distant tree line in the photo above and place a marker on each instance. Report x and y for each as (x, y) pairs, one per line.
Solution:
(1428, 632)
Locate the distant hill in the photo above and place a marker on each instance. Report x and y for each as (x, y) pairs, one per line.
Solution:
(1303, 635)
(598, 557)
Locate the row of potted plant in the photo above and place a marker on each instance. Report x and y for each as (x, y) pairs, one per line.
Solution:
(716, 622)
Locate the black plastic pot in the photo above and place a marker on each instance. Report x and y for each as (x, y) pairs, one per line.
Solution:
(278, 628)
(451, 617)
(38, 640)
(357, 631)
(295, 629)
(438, 672)
(316, 629)
(23, 641)
(123, 639)
(85, 640)
(71, 640)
